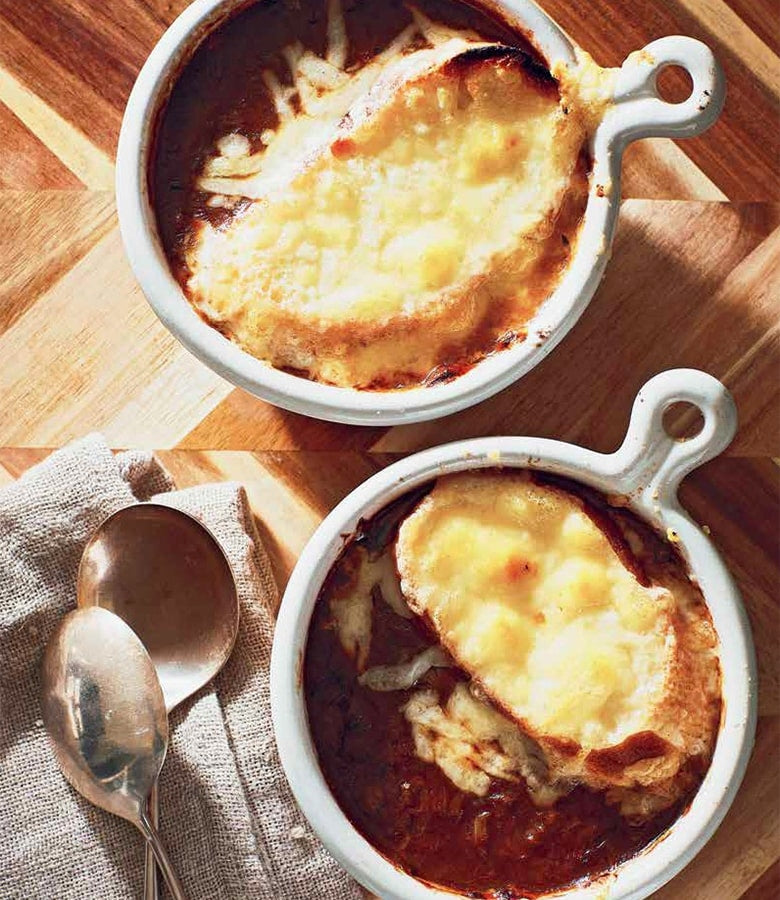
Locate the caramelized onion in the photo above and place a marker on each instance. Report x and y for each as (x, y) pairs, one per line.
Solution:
(404, 675)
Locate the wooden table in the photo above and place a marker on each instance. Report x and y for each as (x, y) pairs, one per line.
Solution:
(695, 280)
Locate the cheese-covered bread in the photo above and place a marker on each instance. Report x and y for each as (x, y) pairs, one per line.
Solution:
(417, 230)
(550, 612)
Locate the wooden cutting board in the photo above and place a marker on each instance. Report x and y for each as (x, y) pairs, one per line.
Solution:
(694, 281)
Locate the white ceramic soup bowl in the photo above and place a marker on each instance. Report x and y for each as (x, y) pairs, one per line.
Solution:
(648, 469)
(637, 111)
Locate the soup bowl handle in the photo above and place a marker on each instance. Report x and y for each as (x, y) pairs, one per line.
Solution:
(651, 463)
(638, 109)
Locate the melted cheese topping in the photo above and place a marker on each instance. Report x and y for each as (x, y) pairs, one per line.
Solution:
(414, 231)
(530, 597)
(472, 744)
(351, 605)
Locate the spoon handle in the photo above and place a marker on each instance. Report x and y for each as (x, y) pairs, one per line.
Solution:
(151, 883)
(149, 832)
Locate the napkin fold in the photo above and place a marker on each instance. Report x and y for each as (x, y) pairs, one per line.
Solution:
(228, 818)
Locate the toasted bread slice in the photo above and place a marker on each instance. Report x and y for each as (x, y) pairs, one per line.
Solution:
(416, 230)
(616, 678)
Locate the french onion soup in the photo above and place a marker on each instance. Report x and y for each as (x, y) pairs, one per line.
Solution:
(375, 194)
(512, 683)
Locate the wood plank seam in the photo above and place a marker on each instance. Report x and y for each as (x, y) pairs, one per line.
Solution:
(89, 164)
(722, 22)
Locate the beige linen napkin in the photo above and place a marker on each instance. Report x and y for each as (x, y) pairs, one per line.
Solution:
(228, 818)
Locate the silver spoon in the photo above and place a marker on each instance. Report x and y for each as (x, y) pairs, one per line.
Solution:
(105, 713)
(167, 577)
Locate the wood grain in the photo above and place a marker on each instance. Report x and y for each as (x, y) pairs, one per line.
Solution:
(739, 499)
(43, 235)
(91, 355)
(81, 56)
(87, 163)
(700, 278)
(26, 159)
(690, 283)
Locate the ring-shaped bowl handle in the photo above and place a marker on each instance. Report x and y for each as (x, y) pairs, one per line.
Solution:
(638, 109)
(651, 463)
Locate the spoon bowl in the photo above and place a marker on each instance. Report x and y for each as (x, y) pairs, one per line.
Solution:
(105, 713)
(166, 576)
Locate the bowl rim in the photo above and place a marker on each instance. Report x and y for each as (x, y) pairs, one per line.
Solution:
(647, 469)
(637, 112)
